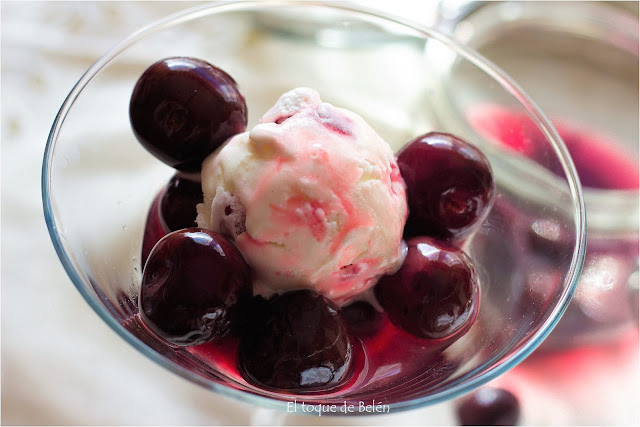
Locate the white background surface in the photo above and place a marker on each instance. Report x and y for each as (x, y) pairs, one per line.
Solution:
(62, 365)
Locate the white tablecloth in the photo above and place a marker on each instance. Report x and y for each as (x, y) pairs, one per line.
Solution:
(62, 365)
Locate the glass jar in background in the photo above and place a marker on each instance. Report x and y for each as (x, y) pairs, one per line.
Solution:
(579, 62)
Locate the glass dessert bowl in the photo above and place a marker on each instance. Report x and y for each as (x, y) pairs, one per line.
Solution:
(99, 182)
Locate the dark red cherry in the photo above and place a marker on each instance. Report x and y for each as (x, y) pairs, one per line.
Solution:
(363, 318)
(302, 344)
(489, 406)
(190, 284)
(178, 203)
(174, 208)
(449, 183)
(434, 294)
(154, 228)
(183, 109)
(248, 313)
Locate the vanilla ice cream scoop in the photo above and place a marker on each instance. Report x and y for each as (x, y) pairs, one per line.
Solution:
(312, 197)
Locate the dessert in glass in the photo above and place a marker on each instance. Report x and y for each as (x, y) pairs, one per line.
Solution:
(381, 75)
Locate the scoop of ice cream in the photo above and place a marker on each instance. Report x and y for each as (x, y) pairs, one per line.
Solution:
(312, 197)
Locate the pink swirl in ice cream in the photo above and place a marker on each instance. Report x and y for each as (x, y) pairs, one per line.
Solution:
(312, 197)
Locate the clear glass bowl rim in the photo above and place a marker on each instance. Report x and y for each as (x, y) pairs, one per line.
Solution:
(504, 80)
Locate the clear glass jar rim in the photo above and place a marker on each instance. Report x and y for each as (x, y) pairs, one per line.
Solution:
(506, 82)
(600, 17)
